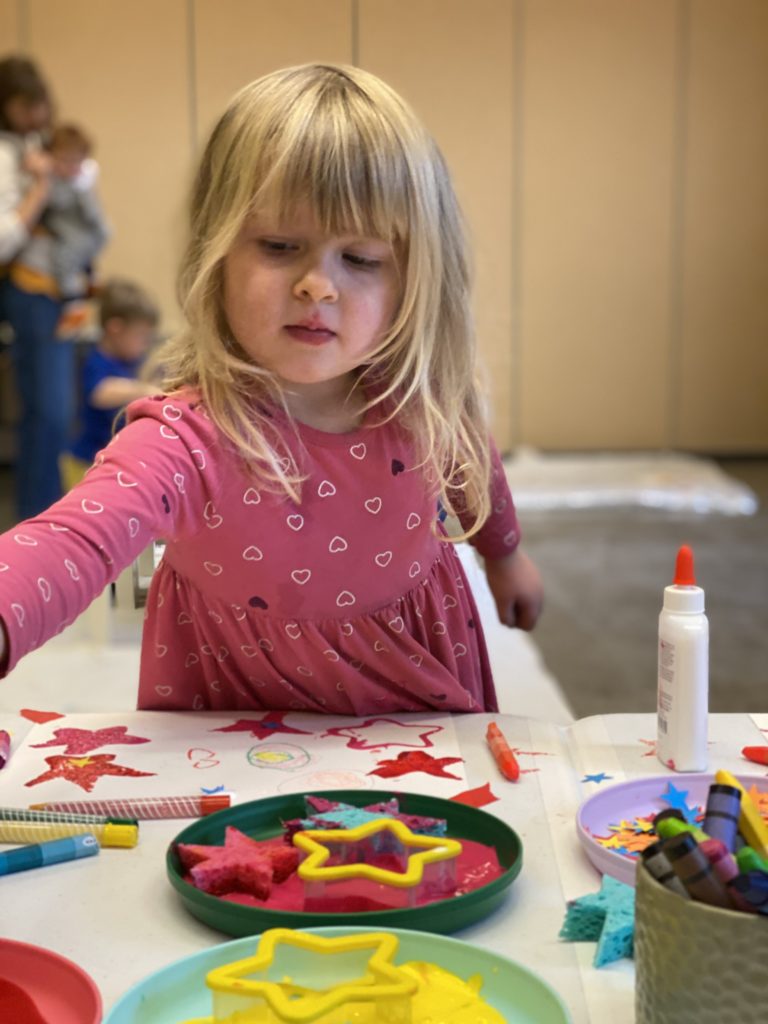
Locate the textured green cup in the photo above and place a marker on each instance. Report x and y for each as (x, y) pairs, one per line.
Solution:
(697, 964)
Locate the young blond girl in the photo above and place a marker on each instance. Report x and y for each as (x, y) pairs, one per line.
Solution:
(321, 408)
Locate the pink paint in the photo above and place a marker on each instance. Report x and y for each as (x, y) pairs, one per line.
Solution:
(477, 866)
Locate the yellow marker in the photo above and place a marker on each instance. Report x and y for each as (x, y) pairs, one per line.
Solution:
(107, 834)
(751, 824)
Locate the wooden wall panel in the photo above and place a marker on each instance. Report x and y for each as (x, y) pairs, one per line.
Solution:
(723, 400)
(453, 61)
(121, 70)
(237, 41)
(10, 27)
(595, 233)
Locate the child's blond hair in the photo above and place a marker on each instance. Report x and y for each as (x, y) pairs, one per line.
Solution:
(342, 140)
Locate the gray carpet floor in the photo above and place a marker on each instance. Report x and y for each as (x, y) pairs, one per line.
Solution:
(604, 574)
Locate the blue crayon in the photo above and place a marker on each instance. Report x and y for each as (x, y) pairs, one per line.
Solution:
(721, 817)
(38, 855)
(753, 890)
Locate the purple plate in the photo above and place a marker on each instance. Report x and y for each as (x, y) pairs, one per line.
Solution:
(628, 801)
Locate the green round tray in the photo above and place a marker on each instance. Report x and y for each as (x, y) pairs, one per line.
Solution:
(262, 819)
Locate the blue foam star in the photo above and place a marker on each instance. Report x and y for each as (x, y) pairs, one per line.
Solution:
(599, 777)
(607, 916)
(676, 798)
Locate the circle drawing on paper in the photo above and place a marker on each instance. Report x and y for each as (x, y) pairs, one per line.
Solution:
(285, 757)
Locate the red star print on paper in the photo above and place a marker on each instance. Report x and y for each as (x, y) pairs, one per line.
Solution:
(82, 741)
(408, 761)
(83, 771)
(271, 723)
(359, 743)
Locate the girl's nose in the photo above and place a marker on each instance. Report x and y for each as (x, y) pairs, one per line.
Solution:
(316, 284)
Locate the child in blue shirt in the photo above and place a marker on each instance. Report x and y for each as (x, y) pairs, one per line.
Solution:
(110, 374)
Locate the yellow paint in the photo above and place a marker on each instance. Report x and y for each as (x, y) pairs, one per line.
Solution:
(416, 991)
(272, 757)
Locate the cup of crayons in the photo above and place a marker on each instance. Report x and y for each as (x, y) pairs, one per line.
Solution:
(701, 915)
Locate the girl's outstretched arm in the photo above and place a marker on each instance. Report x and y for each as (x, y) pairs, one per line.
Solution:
(517, 589)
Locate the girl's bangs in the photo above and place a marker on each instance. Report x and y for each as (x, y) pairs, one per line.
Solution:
(353, 182)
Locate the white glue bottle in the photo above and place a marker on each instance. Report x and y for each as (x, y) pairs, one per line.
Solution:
(683, 675)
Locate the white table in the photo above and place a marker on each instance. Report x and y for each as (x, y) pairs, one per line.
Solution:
(121, 927)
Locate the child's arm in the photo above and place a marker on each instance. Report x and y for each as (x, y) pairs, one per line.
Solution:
(115, 392)
(52, 566)
(513, 578)
(516, 585)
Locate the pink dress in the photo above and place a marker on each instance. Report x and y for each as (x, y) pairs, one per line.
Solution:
(349, 602)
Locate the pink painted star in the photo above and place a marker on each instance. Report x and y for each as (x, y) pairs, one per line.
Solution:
(81, 741)
(408, 761)
(357, 742)
(84, 771)
(268, 725)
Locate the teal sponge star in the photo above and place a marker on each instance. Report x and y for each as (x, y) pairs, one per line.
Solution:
(607, 916)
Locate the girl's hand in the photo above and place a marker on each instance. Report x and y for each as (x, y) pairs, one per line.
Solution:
(517, 589)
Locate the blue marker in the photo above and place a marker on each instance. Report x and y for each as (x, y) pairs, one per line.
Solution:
(39, 854)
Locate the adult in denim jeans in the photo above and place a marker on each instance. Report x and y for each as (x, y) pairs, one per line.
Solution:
(29, 301)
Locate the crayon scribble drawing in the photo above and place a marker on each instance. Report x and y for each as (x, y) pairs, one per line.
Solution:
(84, 771)
(387, 732)
(202, 758)
(83, 741)
(324, 780)
(408, 761)
(269, 724)
(285, 757)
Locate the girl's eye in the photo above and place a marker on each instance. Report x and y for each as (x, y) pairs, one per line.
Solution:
(275, 247)
(361, 261)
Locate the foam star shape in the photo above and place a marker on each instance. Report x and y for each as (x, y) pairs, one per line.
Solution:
(82, 741)
(357, 844)
(598, 777)
(379, 982)
(676, 798)
(408, 761)
(268, 725)
(242, 864)
(357, 742)
(84, 771)
(607, 916)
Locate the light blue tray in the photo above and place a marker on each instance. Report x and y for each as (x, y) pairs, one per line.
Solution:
(178, 992)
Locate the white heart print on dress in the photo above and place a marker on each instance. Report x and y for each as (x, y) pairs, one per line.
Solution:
(45, 588)
(72, 569)
(133, 526)
(373, 505)
(357, 451)
(252, 553)
(295, 521)
(301, 576)
(212, 518)
(345, 598)
(326, 489)
(171, 413)
(251, 497)
(199, 458)
(337, 544)
(383, 559)
(414, 520)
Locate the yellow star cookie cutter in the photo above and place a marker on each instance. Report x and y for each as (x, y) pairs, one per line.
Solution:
(381, 984)
(316, 843)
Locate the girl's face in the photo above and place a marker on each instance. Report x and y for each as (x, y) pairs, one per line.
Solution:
(308, 306)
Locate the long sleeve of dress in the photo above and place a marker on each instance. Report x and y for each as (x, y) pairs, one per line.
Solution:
(500, 534)
(150, 481)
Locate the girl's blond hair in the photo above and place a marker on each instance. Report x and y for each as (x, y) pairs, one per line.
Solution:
(341, 139)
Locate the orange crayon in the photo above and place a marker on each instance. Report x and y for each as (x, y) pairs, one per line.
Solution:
(502, 753)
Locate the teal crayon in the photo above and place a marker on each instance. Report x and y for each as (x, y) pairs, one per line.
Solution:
(39, 855)
(61, 817)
